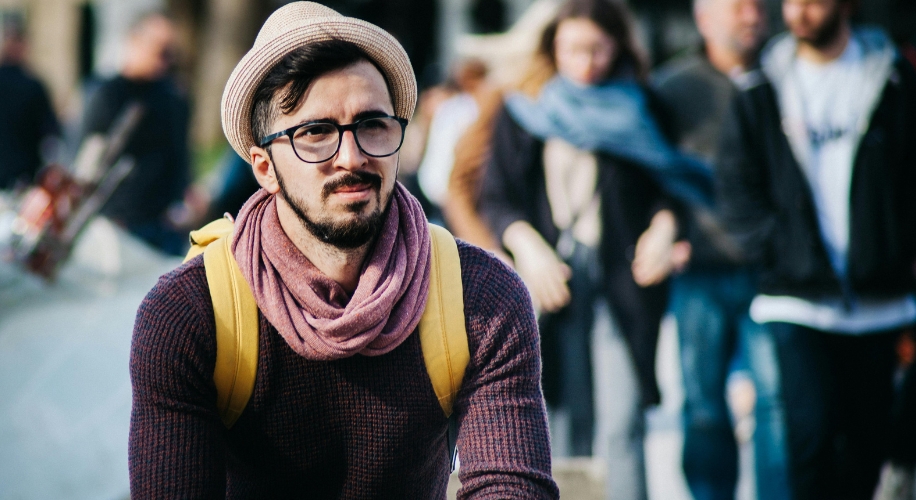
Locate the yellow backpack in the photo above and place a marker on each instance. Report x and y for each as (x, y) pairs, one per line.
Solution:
(443, 337)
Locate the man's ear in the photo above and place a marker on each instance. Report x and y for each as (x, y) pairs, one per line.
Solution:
(263, 168)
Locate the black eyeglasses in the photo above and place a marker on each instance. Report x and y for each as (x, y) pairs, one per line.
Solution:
(317, 142)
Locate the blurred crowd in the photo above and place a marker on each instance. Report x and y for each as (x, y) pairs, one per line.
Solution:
(759, 187)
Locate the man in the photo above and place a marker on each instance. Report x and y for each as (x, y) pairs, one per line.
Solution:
(159, 142)
(710, 300)
(818, 182)
(337, 256)
(27, 120)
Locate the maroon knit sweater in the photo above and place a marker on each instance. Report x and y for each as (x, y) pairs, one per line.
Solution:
(360, 427)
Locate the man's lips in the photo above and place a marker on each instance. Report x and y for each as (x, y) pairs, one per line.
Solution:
(353, 188)
(354, 192)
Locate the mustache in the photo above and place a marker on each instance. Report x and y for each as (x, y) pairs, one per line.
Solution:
(352, 179)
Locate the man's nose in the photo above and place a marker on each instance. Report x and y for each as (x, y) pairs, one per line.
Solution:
(349, 155)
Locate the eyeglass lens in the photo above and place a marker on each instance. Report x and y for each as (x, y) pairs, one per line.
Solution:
(375, 137)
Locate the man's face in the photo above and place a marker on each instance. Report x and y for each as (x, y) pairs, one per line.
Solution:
(816, 22)
(151, 48)
(341, 201)
(736, 25)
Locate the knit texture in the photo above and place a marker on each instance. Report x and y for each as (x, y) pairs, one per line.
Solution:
(358, 427)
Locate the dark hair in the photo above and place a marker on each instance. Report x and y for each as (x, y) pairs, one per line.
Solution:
(286, 83)
(612, 17)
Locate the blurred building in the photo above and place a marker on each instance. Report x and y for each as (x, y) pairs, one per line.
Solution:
(73, 40)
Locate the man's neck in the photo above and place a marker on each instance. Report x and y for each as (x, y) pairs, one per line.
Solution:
(725, 60)
(341, 265)
(135, 77)
(829, 51)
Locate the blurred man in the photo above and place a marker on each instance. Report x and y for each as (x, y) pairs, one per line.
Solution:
(26, 116)
(710, 301)
(158, 144)
(818, 184)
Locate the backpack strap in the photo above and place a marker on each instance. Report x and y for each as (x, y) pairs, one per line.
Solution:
(208, 234)
(443, 337)
(236, 315)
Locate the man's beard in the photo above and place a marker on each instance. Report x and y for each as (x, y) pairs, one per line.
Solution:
(828, 32)
(351, 233)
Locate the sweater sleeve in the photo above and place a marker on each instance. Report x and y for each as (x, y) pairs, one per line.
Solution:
(742, 184)
(503, 441)
(176, 445)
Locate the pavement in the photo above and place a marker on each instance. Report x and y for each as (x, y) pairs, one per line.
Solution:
(583, 478)
(64, 385)
(65, 388)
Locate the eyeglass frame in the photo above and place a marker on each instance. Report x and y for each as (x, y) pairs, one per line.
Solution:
(266, 140)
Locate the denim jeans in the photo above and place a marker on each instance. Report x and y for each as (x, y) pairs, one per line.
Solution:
(569, 350)
(711, 311)
(598, 392)
(771, 449)
(837, 408)
(621, 423)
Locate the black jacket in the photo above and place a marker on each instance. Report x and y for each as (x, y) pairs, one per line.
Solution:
(159, 145)
(514, 188)
(767, 203)
(26, 118)
(695, 97)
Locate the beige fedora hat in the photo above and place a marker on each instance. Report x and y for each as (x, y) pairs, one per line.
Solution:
(298, 24)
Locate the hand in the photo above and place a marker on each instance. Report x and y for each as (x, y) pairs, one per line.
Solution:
(189, 213)
(543, 272)
(657, 253)
(503, 256)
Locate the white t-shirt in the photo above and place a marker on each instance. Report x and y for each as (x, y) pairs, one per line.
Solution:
(832, 112)
(832, 315)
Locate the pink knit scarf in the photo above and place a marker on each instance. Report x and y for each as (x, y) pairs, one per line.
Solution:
(313, 313)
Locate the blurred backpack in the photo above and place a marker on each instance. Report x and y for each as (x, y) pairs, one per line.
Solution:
(443, 338)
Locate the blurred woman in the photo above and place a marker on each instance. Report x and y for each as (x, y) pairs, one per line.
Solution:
(578, 168)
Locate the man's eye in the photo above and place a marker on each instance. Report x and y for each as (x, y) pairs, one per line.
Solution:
(317, 130)
(375, 124)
